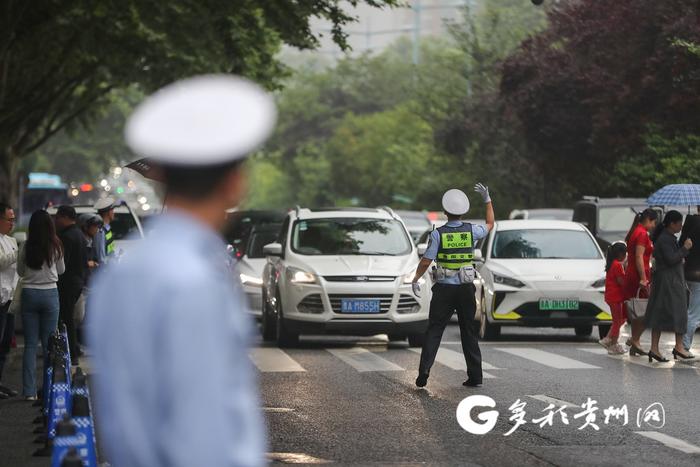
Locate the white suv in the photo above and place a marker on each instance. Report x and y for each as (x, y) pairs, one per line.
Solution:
(342, 271)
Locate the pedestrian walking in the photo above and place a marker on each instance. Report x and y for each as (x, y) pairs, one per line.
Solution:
(104, 239)
(691, 230)
(667, 309)
(452, 248)
(72, 281)
(615, 296)
(168, 325)
(638, 271)
(39, 264)
(8, 283)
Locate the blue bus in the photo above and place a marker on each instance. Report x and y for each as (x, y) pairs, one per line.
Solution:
(43, 190)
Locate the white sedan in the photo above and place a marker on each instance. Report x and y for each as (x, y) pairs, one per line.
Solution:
(542, 274)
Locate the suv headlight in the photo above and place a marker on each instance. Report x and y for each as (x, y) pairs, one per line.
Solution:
(250, 280)
(299, 276)
(599, 283)
(509, 281)
(408, 278)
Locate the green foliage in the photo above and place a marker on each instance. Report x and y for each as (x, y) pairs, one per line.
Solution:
(664, 160)
(59, 61)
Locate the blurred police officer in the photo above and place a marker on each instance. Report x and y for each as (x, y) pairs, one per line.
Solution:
(168, 325)
(452, 248)
(103, 242)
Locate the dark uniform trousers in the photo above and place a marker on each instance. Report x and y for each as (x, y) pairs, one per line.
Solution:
(68, 295)
(446, 299)
(7, 330)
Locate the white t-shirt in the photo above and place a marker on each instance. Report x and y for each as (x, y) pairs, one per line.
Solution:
(8, 267)
(44, 278)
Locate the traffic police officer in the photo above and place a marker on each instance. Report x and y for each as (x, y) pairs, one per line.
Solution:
(104, 240)
(452, 247)
(169, 329)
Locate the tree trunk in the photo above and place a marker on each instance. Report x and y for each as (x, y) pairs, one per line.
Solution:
(9, 163)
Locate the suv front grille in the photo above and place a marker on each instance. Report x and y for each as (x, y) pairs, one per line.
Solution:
(384, 301)
(311, 304)
(406, 304)
(360, 278)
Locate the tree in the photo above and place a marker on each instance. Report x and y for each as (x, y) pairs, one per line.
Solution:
(587, 88)
(60, 59)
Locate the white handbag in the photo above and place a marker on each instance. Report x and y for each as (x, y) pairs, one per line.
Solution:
(636, 307)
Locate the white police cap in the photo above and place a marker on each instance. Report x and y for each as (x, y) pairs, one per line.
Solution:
(204, 120)
(455, 202)
(104, 204)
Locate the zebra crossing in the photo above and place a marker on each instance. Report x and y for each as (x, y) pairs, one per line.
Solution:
(364, 359)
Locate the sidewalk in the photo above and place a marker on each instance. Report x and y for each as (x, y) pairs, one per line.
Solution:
(16, 417)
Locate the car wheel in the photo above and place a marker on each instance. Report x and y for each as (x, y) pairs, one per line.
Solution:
(285, 338)
(603, 330)
(487, 331)
(583, 331)
(267, 322)
(396, 337)
(416, 340)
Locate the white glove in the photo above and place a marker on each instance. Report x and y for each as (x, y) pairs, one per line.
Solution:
(483, 190)
(416, 288)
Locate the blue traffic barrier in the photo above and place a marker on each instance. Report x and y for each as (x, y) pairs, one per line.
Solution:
(65, 348)
(85, 430)
(52, 348)
(72, 459)
(59, 404)
(66, 438)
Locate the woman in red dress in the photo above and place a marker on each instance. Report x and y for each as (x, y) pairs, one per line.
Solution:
(638, 272)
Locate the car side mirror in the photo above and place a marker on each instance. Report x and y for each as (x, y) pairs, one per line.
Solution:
(422, 248)
(478, 255)
(272, 249)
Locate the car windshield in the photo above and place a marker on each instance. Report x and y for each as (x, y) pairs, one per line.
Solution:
(350, 236)
(123, 225)
(544, 244)
(257, 241)
(617, 218)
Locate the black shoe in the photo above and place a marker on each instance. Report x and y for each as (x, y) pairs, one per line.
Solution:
(472, 384)
(8, 391)
(422, 380)
(676, 355)
(634, 350)
(658, 358)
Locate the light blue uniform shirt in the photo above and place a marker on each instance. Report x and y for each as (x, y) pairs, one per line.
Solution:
(479, 231)
(168, 328)
(99, 243)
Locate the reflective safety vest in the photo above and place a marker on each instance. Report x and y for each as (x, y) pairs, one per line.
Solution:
(109, 242)
(456, 249)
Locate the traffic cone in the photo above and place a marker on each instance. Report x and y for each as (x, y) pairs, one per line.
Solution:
(86, 430)
(66, 437)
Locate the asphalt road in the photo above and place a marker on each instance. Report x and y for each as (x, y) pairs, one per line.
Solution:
(351, 401)
(354, 402)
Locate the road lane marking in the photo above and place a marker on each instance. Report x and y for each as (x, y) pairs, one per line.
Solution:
(363, 360)
(547, 358)
(671, 442)
(553, 401)
(641, 361)
(455, 360)
(271, 360)
(277, 410)
(295, 458)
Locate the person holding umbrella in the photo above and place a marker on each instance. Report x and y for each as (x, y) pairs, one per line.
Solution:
(667, 309)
